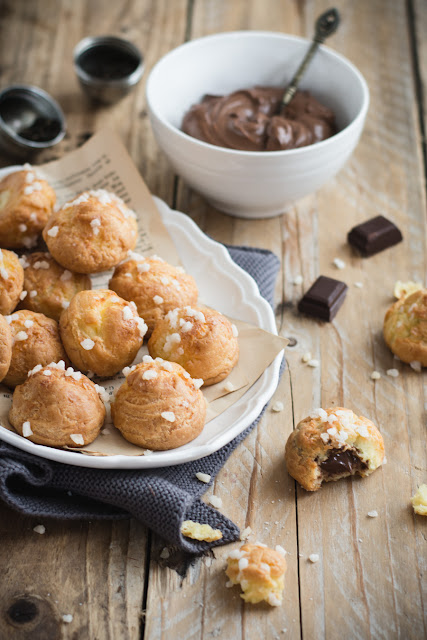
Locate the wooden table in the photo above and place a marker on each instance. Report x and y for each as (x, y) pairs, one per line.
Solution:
(370, 579)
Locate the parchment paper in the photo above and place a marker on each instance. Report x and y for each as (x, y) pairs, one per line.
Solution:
(103, 163)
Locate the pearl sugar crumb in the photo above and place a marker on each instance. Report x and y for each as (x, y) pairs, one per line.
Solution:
(277, 406)
(203, 477)
(215, 501)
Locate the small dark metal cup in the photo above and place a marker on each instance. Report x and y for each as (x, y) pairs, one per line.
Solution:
(30, 120)
(107, 67)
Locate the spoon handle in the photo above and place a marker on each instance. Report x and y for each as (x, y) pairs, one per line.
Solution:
(326, 24)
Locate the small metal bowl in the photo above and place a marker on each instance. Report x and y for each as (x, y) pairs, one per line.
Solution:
(30, 120)
(107, 67)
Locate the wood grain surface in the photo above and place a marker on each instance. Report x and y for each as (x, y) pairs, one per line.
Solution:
(370, 581)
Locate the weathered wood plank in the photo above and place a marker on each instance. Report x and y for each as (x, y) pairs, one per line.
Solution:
(368, 580)
(99, 565)
(418, 13)
(93, 571)
(254, 486)
(257, 492)
(360, 588)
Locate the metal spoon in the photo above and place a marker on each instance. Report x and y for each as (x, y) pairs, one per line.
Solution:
(326, 25)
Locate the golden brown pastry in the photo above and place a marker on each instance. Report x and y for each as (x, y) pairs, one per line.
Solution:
(57, 407)
(11, 281)
(159, 406)
(260, 571)
(35, 341)
(48, 287)
(91, 233)
(155, 286)
(332, 444)
(5, 347)
(200, 339)
(405, 327)
(198, 531)
(101, 332)
(26, 202)
(402, 289)
(419, 500)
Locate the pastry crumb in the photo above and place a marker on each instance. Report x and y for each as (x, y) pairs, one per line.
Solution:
(314, 557)
(416, 366)
(260, 572)
(313, 363)
(419, 500)
(306, 357)
(164, 553)
(373, 514)
(67, 617)
(359, 285)
(202, 532)
(298, 280)
(375, 375)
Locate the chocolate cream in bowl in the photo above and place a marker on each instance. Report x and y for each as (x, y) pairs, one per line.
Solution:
(247, 120)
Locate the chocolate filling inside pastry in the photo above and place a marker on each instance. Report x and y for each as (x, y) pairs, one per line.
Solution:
(340, 461)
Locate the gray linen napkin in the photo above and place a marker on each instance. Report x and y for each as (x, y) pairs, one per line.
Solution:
(160, 498)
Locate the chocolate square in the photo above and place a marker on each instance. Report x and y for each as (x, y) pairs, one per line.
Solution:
(374, 235)
(324, 298)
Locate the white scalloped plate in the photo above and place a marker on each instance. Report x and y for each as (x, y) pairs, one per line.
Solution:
(223, 286)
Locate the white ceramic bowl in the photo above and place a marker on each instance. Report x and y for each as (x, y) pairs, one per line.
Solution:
(253, 184)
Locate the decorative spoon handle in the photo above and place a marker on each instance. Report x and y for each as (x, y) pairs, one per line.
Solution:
(326, 25)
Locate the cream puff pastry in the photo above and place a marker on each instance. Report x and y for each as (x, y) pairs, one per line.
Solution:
(260, 571)
(419, 500)
(155, 286)
(35, 341)
(91, 233)
(159, 406)
(57, 407)
(101, 332)
(48, 287)
(11, 281)
(26, 202)
(405, 327)
(5, 347)
(200, 339)
(331, 444)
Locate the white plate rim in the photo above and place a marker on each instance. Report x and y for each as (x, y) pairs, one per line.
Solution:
(252, 402)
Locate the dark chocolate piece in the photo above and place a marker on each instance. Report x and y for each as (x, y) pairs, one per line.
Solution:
(374, 235)
(340, 461)
(324, 298)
